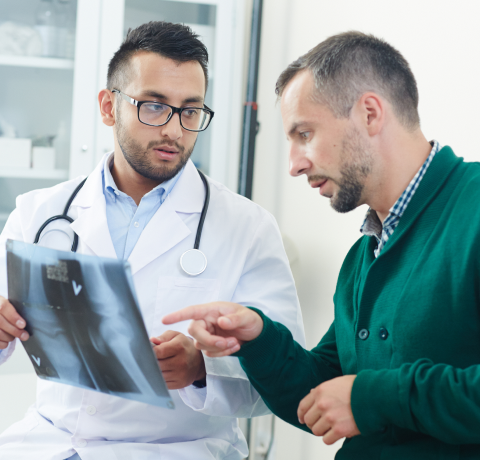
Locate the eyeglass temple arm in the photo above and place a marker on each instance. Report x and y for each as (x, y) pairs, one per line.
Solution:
(125, 97)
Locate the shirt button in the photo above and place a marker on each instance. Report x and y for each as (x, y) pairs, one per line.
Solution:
(81, 442)
(91, 410)
(363, 334)
(383, 333)
(136, 224)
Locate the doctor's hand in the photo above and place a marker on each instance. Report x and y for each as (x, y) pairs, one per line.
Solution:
(327, 410)
(219, 328)
(180, 362)
(11, 324)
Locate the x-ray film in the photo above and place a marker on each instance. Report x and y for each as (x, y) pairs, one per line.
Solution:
(84, 322)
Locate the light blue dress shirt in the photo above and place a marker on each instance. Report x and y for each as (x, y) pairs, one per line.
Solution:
(125, 219)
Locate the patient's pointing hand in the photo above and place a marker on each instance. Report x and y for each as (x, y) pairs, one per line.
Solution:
(219, 328)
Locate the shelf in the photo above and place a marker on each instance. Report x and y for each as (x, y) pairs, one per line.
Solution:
(35, 173)
(35, 61)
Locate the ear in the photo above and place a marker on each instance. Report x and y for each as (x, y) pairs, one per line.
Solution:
(371, 110)
(106, 101)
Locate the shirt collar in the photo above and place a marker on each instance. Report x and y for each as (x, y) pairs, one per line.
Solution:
(162, 189)
(372, 226)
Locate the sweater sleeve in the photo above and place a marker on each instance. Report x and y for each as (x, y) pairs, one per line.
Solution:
(283, 372)
(435, 399)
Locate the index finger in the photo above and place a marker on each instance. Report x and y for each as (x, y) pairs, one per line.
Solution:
(192, 312)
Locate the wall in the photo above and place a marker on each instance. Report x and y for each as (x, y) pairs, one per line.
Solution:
(441, 41)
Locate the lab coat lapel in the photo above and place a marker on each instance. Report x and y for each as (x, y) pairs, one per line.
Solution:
(162, 233)
(91, 222)
(166, 228)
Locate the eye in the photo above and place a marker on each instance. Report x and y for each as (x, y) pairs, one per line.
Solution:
(154, 108)
(305, 134)
(190, 112)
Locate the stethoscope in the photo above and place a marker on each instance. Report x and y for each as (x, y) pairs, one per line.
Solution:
(193, 261)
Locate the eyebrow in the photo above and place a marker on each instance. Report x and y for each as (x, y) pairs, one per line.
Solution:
(162, 96)
(294, 128)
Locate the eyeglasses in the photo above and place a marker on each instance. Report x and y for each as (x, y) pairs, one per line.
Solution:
(158, 114)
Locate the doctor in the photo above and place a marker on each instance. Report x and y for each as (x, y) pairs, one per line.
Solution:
(143, 203)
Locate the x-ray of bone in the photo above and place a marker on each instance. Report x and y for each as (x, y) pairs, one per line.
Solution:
(85, 325)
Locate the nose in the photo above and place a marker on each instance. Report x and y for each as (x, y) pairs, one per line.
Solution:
(298, 162)
(173, 129)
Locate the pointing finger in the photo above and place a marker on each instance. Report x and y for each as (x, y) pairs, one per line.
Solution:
(193, 312)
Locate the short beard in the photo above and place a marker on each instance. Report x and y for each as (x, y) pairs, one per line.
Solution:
(137, 156)
(356, 166)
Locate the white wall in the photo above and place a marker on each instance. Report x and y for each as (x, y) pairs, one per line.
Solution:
(441, 41)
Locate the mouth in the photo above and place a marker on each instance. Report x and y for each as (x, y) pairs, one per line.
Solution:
(166, 152)
(319, 184)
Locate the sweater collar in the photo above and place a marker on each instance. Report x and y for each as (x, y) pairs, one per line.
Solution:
(443, 164)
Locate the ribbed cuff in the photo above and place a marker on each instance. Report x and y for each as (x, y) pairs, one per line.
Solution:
(375, 400)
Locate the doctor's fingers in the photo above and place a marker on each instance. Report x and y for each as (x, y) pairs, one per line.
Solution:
(7, 327)
(166, 336)
(8, 311)
(5, 339)
(179, 344)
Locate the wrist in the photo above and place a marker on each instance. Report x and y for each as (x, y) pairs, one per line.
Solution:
(201, 374)
(201, 379)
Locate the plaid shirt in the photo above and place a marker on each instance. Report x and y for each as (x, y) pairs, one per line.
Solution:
(372, 226)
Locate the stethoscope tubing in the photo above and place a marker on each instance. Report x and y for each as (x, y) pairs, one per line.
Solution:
(64, 216)
(206, 202)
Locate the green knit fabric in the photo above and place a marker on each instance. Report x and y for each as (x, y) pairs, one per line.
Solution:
(417, 391)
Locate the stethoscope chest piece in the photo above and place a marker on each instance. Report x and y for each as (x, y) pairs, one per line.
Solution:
(193, 262)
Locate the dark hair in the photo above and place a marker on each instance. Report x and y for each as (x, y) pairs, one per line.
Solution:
(347, 65)
(173, 41)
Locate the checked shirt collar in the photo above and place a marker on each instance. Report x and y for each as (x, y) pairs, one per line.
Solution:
(372, 226)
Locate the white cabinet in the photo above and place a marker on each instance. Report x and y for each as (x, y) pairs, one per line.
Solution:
(54, 100)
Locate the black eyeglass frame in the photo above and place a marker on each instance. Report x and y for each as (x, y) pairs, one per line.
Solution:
(178, 110)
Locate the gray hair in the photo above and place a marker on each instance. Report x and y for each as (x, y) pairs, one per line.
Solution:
(347, 65)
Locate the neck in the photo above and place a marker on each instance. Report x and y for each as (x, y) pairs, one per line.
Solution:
(400, 160)
(128, 180)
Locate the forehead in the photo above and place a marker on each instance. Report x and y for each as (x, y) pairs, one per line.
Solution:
(152, 72)
(298, 105)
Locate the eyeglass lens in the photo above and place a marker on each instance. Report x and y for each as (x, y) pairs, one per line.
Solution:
(193, 118)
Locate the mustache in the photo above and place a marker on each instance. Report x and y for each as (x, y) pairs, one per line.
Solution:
(157, 144)
(317, 178)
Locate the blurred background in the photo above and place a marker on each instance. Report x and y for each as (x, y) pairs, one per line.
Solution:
(53, 60)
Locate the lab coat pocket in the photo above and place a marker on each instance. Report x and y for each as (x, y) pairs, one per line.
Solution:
(175, 293)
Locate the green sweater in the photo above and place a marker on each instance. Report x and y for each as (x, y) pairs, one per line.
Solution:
(407, 323)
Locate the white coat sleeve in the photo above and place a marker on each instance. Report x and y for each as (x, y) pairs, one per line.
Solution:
(267, 284)
(12, 230)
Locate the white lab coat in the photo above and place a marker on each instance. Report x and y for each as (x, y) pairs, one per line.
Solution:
(246, 264)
